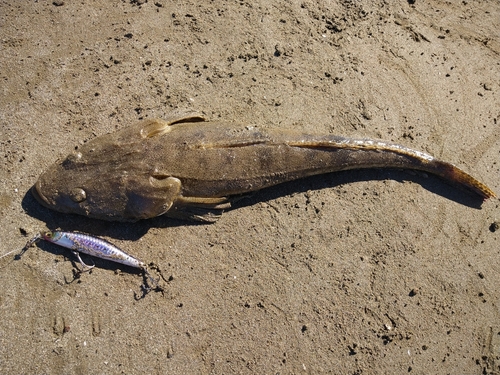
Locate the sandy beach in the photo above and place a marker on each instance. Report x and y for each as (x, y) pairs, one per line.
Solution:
(358, 272)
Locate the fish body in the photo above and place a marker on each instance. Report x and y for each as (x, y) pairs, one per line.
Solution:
(187, 168)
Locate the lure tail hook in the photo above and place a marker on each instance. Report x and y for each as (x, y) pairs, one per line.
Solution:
(154, 282)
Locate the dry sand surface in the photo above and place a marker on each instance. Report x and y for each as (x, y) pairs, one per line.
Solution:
(360, 272)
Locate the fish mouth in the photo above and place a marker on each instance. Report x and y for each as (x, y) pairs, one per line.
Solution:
(36, 190)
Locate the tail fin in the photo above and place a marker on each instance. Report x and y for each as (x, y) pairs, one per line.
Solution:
(378, 153)
(456, 175)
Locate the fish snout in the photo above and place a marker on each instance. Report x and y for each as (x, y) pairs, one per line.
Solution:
(36, 190)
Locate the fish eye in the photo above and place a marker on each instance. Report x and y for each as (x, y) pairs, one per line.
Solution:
(48, 235)
(77, 156)
(72, 159)
(77, 195)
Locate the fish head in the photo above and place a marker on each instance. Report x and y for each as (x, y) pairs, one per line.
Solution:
(108, 178)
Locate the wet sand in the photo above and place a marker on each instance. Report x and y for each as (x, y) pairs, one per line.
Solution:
(359, 272)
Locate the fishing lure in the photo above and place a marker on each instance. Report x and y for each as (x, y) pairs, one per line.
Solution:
(97, 247)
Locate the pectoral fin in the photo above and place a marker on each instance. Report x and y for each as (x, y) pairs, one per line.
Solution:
(153, 201)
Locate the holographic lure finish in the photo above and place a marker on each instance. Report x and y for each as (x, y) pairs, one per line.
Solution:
(84, 243)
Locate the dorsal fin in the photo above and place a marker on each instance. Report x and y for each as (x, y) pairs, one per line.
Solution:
(178, 117)
(157, 127)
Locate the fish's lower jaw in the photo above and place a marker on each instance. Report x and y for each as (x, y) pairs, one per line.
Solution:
(36, 191)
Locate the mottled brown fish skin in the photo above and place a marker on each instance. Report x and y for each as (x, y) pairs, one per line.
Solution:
(187, 168)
